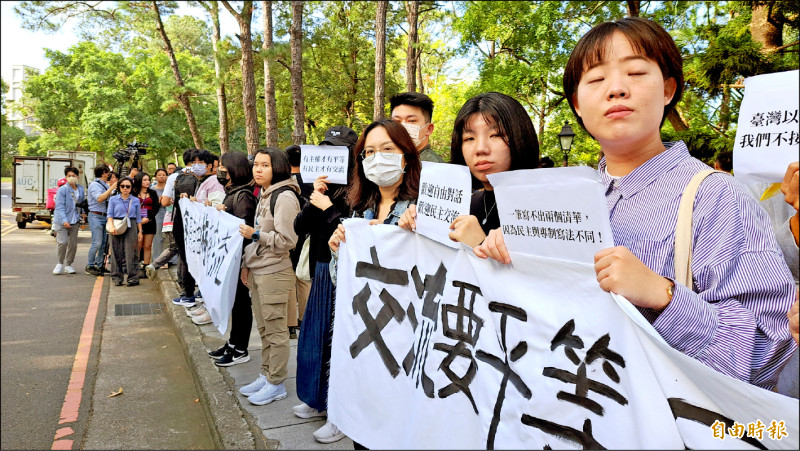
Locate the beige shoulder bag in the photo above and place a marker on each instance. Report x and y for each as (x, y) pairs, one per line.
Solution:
(683, 229)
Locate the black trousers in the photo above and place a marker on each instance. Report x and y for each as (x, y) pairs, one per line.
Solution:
(124, 251)
(241, 317)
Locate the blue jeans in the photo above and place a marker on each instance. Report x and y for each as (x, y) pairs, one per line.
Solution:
(97, 251)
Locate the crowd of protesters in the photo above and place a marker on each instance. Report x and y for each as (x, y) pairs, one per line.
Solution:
(739, 315)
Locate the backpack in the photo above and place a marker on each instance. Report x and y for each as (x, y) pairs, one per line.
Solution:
(294, 254)
(187, 183)
(273, 199)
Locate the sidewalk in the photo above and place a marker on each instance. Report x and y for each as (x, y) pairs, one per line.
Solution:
(279, 428)
(140, 353)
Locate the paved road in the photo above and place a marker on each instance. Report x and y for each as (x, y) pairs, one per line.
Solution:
(60, 363)
(41, 317)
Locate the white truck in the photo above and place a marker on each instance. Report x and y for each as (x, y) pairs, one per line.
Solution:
(34, 176)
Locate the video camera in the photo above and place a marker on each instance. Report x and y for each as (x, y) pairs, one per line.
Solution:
(128, 157)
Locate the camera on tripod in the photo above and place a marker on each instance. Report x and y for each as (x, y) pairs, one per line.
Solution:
(128, 157)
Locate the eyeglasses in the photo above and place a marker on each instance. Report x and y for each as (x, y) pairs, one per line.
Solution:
(387, 153)
(125, 186)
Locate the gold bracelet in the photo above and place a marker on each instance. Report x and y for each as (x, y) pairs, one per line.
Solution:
(670, 291)
(670, 294)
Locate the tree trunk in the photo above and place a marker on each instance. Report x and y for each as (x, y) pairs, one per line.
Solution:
(353, 92)
(678, 122)
(412, 12)
(633, 8)
(765, 30)
(222, 105)
(543, 115)
(248, 80)
(183, 97)
(420, 84)
(269, 80)
(380, 59)
(298, 100)
(725, 109)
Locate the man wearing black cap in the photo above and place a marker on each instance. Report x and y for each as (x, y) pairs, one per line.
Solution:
(340, 136)
(334, 136)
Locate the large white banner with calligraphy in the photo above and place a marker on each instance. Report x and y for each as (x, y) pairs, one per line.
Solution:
(214, 256)
(434, 348)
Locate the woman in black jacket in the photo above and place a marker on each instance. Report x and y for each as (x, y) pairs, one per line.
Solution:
(236, 175)
(319, 219)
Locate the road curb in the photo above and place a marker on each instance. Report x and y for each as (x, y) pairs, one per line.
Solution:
(230, 426)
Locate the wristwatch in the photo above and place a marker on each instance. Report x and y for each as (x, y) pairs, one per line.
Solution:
(255, 236)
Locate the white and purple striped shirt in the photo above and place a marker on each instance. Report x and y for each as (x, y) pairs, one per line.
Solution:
(734, 318)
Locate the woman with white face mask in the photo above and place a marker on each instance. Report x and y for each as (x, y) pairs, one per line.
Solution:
(65, 220)
(385, 178)
(383, 183)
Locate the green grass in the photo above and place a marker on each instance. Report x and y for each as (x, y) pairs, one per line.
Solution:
(5, 179)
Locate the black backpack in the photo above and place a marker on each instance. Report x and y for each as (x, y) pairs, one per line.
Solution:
(187, 183)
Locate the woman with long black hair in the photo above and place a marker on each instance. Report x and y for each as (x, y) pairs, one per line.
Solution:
(235, 174)
(318, 218)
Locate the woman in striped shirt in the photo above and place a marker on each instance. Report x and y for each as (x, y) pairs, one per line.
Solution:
(622, 80)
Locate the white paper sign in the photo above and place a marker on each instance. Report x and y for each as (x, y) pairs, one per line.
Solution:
(768, 133)
(324, 160)
(553, 212)
(214, 255)
(434, 348)
(445, 191)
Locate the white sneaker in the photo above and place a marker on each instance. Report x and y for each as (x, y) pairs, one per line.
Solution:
(58, 269)
(253, 387)
(205, 318)
(328, 433)
(70, 270)
(306, 411)
(267, 394)
(197, 311)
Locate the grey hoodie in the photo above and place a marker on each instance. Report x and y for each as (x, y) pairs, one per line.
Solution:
(270, 253)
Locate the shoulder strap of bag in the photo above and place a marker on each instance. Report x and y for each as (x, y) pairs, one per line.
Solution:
(683, 229)
(240, 193)
(274, 197)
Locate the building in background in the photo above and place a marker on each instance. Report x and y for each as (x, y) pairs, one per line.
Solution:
(19, 74)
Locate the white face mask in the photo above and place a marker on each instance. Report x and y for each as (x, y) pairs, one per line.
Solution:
(382, 171)
(72, 180)
(413, 131)
(199, 169)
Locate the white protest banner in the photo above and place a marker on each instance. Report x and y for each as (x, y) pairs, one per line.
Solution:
(213, 254)
(434, 348)
(324, 160)
(553, 212)
(445, 191)
(768, 132)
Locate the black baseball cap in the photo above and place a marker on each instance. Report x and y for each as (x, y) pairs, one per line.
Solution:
(340, 136)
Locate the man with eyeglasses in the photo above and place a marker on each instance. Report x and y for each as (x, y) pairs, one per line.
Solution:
(415, 111)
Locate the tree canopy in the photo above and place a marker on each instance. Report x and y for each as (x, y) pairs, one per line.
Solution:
(117, 84)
